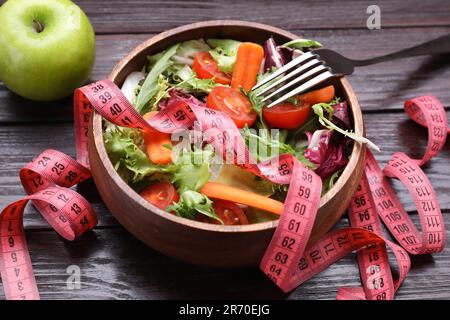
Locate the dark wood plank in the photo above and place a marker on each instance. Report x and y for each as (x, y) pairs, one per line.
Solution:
(19, 145)
(154, 16)
(396, 132)
(114, 265)
(387, 85)
(392, 132)
(382, 86)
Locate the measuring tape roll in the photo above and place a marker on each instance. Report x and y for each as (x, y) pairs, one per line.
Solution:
(46, 180)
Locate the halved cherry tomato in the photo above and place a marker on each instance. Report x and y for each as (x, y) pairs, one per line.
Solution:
(160, 194)
(206, 68)
(234, 103)
(229, 212)
(286, 115)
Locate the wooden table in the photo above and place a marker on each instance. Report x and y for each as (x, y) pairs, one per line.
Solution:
(114, 265)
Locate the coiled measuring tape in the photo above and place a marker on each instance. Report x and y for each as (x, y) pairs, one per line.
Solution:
(287, 261)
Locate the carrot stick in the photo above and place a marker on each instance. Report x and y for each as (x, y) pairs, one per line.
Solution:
(248, 61)
(319, 96)
(225, 192)
(156, 142)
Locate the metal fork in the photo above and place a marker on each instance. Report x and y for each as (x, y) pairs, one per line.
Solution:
(312, 68)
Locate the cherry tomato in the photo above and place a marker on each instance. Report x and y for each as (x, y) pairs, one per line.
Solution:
(160, 194)
(286, 115)
(229, 212)
(234, 103)
(206, 68)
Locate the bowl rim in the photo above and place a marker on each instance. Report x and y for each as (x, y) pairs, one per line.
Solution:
(97, 128)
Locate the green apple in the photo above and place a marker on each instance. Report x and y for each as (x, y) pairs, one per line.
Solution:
(47, 48)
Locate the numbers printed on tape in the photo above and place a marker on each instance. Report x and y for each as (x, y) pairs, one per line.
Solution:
(46, 180)
(288, 260)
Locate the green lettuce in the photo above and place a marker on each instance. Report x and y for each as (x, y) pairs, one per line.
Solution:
(124, 147)
(257, 101)
(302, 44)
(191, 168)
(174, 67)
(330, 181)
(191, 171)
(187, 50)
(257, 105)
(192, 203)
(225, 63)
(151, 87)
(268, 146)
(191, 83)
(163, 87)
(224, 53)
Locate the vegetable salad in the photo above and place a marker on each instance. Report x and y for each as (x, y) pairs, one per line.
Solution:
(219, 74)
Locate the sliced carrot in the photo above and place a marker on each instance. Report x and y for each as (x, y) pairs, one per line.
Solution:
(248, 62)
(156, 143)
(224, 192)
(323, 95)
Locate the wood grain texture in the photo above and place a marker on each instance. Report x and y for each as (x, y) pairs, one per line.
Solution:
(117, 266)
(392, 132)
(140, 16)
(114, 265)
(379, 87)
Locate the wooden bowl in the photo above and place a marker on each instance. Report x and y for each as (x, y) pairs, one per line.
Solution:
(196, 242)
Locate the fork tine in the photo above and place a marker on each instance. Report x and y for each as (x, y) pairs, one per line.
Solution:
(284, 68)
(296, 71)
(307, 85)
(304, 76)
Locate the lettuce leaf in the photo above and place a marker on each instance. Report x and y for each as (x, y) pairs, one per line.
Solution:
(124, 147)
(184, 55)
(164, 87)
(150, 87)
(224, 53)
(327, 123)
(268, 146)
(187, 50)
(257, 105)
(228, 47)
(340, 115)
(131, 84)
(191, 83)
(191, 168)
(302, 44)
(225, 63)
(327, 156)
(257, 101)
(192, 203)
(330, 181)
(191, 171)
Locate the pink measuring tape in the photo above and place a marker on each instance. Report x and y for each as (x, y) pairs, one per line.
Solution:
(288, 261)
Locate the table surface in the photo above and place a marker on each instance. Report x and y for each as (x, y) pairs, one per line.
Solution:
(115, 265)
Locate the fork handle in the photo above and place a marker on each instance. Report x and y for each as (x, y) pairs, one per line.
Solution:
(437, 46)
